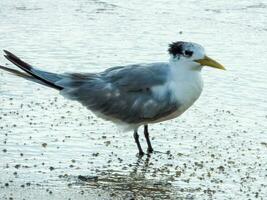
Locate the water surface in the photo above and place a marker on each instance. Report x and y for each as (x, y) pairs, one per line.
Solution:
(54, 148)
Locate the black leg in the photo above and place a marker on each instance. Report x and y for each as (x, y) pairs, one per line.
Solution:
(136, 138)
(149, 146)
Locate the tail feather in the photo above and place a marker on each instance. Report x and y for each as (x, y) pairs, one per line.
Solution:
(16, 72)
(22, 75)
(17, 61)
(46, 78)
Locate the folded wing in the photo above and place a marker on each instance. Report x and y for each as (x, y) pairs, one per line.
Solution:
(123, 93)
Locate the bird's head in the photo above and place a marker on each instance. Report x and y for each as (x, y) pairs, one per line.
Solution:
(192, 55)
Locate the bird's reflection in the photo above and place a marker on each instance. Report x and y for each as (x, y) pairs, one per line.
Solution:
(137, 183)
(141, 164)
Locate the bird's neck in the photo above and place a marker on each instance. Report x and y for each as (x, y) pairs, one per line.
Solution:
(183, 71)
(185, 82)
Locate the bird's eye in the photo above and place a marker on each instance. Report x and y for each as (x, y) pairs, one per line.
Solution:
(188, 53)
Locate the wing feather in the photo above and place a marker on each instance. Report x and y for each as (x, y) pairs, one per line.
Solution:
(122, 93)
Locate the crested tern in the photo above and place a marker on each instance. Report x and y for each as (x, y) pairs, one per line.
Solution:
(132, 95)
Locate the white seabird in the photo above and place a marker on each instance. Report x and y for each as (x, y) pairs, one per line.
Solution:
(133, 95)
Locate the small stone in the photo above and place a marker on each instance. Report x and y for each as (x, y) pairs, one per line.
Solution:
(51, 168)
(44, 145)
(17, 166)
(221, 168)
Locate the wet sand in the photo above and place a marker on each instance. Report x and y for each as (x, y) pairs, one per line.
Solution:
(54, 148)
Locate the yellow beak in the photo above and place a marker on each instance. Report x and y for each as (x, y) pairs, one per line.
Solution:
(206, 61)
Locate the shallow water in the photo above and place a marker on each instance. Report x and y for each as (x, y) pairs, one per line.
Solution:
(52, 147)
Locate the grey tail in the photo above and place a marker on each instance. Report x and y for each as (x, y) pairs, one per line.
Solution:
(31, 73)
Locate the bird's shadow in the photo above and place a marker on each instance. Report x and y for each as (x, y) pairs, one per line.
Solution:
(138, 182)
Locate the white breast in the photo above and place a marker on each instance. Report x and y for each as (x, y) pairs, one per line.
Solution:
(185, 85)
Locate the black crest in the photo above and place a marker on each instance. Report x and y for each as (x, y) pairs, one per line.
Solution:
(176, 48)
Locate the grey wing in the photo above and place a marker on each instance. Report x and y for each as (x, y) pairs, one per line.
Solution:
(122, 93)
(136, 77)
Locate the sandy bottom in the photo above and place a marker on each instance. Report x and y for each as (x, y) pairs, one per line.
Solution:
(52, 148)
